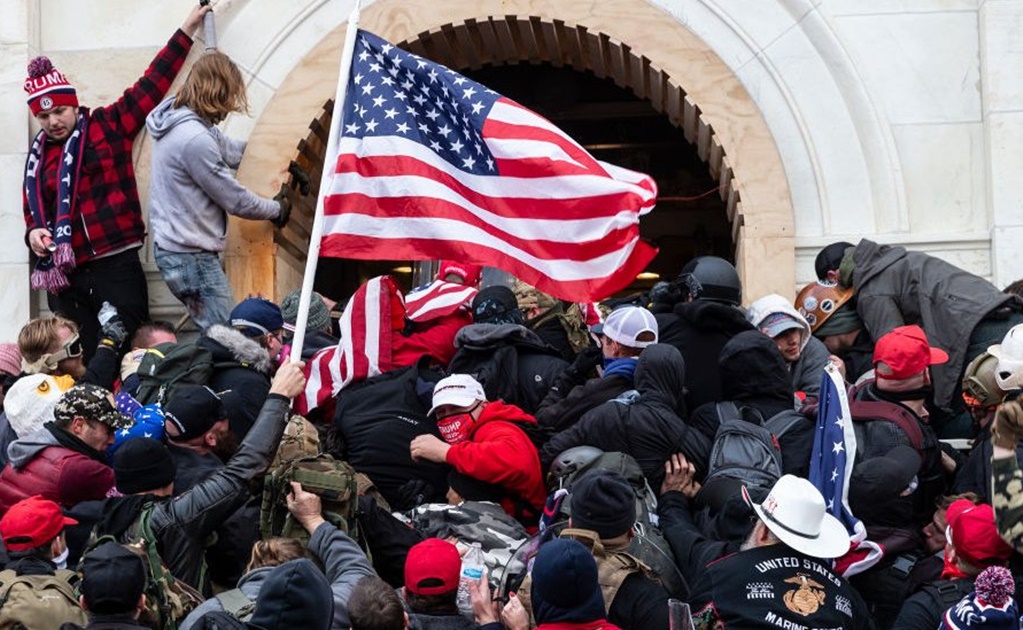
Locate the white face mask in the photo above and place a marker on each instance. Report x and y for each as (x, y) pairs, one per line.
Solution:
(61, 560)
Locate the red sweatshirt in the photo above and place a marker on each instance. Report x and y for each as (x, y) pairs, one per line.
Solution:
(500, 452)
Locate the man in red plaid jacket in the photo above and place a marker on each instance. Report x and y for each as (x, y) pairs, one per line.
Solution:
(84, 222)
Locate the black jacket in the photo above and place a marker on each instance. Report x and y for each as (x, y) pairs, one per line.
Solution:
(700, 330)
(241, 375)
(649, 428)
(183, 524)
(753, 374)
(511, 362)
(572, 396)
(378, 418)
(639, 603)
(776, 586)
(924, 609)
(229, 555)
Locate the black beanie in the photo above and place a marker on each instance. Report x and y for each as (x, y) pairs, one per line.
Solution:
(142, 464)
(829, 258)
(603, 502)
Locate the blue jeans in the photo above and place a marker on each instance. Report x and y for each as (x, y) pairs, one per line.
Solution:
(200, 283)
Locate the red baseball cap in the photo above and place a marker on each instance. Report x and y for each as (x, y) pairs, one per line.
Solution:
(905, 352)
(32, 523)
(469, 273)
(974, 535)
(432, 567)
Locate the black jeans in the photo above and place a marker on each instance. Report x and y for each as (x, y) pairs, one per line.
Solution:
(117, 279)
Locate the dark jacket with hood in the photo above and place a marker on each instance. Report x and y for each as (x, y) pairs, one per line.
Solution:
(700, 330)
(378, 418)
(754, 375)
(183, 524)
(649, 427)
(295, 595)
(895, 287)
(241, 374)
(511, 362)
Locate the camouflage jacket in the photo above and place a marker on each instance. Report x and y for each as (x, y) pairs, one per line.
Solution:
(1007, 499)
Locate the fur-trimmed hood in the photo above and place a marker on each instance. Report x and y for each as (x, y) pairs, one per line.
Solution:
(229, 345)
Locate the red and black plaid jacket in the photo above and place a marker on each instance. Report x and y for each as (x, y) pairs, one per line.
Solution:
(107, 215)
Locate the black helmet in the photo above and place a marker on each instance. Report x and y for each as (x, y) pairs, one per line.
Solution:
(711, 278)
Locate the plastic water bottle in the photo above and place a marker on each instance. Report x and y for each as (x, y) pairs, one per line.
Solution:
(106, 313)
(472, 571)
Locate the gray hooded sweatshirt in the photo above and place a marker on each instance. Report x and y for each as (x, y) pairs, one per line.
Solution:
(191, 187)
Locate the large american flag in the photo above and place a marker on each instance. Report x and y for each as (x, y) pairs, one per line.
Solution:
(433, 165)
(834, 454)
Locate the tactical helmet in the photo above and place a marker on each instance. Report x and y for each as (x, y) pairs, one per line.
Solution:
(818, 300)
(980, 385)
(1009, 372)
(572, 460)
(711, 278)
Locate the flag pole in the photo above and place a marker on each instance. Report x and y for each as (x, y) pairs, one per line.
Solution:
(329, 158)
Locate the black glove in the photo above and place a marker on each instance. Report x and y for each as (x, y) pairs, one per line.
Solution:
(587, 360)
(299, 178)
(284, 199)
(112, 330)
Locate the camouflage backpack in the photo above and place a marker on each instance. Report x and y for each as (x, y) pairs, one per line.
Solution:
(168, 599)
(332, 479)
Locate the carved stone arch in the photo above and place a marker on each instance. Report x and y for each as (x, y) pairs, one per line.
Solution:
(715, 113)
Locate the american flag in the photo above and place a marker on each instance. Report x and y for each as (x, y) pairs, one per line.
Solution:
(375, 310)
(433, 165)
(437, 299)
(834, 453)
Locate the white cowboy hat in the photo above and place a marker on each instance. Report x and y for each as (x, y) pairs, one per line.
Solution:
(794, 511)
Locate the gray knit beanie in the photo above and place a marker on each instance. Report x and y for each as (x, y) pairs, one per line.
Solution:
(319, 314)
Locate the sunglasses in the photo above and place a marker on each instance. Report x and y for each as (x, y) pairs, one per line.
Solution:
(71, 349)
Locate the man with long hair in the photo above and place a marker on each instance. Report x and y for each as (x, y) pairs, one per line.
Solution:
(192, 189)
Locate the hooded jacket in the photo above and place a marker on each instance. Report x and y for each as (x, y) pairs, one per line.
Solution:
(649, 427)
(241, 374)
(498, 451)
(511, 362)
(699, 330)
(39, 464)
(753, 374)
(806, 371)
(344, 564)
(294, 595)
(191, 188)
(895, 287)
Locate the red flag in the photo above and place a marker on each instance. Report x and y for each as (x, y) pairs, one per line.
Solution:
(433, 165)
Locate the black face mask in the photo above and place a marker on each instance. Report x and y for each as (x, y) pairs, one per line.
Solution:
(920, 393)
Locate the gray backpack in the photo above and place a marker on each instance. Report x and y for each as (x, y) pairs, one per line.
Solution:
(747, 449)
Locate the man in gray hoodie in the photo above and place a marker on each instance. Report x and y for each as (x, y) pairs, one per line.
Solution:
(192, 189)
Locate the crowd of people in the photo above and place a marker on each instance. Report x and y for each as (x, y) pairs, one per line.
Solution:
(515, 461)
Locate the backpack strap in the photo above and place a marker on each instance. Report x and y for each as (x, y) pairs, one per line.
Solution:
(946, 593)
(870, 410)
(236, 603)
(612, 566)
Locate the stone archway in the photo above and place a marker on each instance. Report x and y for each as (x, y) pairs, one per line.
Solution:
(665, 65)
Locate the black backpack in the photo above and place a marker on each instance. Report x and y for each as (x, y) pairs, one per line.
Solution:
(170, 365)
